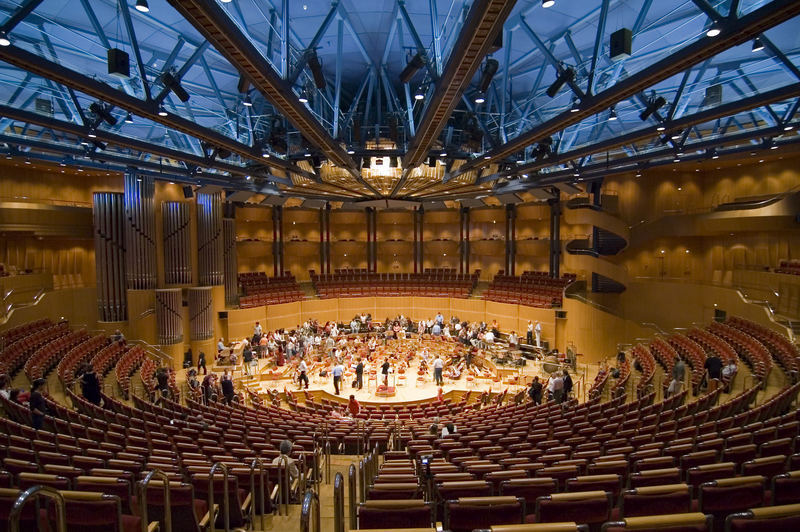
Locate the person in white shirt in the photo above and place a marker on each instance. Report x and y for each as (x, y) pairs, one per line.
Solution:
(257, 330)
(513, 340)
(303, 369)
(446, 331)
(448, 429)
(529, 336)
(556, 387)
(488, 337)
(438, 366)
(538, 331)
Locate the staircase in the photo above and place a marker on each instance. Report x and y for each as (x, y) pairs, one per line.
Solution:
(610, 235)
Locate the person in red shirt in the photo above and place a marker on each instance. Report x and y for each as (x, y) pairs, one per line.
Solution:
(353, 406)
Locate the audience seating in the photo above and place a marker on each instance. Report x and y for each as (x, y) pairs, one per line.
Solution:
(532, 288)
(768, 519)
(258, 290)
(443, 282)
(689, 522)
(792, 267)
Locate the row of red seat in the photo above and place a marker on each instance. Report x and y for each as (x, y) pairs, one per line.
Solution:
(126, 366)
(14, 355)
(692, 353)
(20, 331)
(47, 356)
(791, 267)
(432, 283)
(782, 350)
(77, 356)
(748, 348)
(647, 362)
(534, 289)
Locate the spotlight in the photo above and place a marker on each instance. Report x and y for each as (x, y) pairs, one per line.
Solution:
(420, 93)
(575, 105)
(788, 127)
(661, 127)
(638, 173)
(4, 40)
(351, 151)
(174, 84)
(479, 98)
(128, 119)
(548, 3)
(265, 154)
(417, 62)
(714, 154)
(652, 106)
(676, 159)
(612, 114)
(757, 44)
(27, 160)
(92, 134)
(713, 31)
(247, 102)
(162, 111)
(99, 110)
(316, 69)
(489, 70)
(676, 135)
(141, 5)
(443, 154)
(566, 75)
(99, 145)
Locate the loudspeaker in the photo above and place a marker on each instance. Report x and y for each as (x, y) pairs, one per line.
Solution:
(497, 44)
(188, 192)
(119, 63)
(719, 315)
(713, 95)
(620, 44)
(561, 314)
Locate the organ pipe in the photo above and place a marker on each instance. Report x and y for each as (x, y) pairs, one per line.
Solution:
(109, 244)
(201, 312)
(169, 320)
(140, 231)
(177, 243)
(231, 264)
(210, 239)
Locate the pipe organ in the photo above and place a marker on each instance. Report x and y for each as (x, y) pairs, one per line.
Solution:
(210, 239)
(201, 313)
(177, 243)
(140, 232)
(169, 319)
(231, 264)
(109, 243)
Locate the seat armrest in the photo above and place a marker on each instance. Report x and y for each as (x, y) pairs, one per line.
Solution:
(153, 526)
(206, 521)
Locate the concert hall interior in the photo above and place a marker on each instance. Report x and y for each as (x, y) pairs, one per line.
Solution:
(421, 265)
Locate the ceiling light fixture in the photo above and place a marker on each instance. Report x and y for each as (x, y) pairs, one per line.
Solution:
(575, 105)
(714, 30)
(141, 5)
(548, 3)
(653, 105)
(247, 102)
(479, 98)
(4, 40)
(420, 93)
(788, 127)
(128, 119)
(661, 127)
(612, 114)
(757, 44)
(92, 134)
(162, 111)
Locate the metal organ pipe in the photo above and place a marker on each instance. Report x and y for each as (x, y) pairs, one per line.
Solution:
(177, 243)
(201, 312)
(210, 239)
(168, 316)
(109, 244)
(140, 231)
(231, 263)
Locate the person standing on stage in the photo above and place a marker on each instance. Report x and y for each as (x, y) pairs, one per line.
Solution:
(337, 376)
(567, 384)
(359, 373)
(385, 371)
(538, 330)
(201, 363)
(438, 366)
(303, 369)
(529, 336)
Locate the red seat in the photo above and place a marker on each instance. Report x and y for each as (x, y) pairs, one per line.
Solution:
(468, 513)
(656, 500)
(397, 513)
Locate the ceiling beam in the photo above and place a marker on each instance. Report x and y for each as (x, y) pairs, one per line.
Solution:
(216, 26)
(734, 32)
(39, 66)
(484, 22)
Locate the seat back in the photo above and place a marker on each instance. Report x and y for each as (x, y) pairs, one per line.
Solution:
(182, 511)
(766, 519)
(200, 483)
(786, 488)
(729, 495)
(399, 490)
(119, 487)
(395, 513)
(655, 477)
(28, 480)
(706, 473)
(89, 512)
(8, 497)
(690, 522)
(590, 507)
(468, 513)
(656, 500)
(609, 483)
(529, 489)
(471, 488)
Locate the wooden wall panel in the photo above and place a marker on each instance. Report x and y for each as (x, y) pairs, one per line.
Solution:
(283, 316)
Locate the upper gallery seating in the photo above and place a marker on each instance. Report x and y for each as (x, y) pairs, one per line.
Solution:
(534, 289)
(782, 350)
(257, 289)
(434, 282)
(789, 266)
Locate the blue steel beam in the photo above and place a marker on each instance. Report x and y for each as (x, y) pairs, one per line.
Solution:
(338, 96)
(598, 41)
(303, 59)
(126, 18)
(549, 56)
(19, 15)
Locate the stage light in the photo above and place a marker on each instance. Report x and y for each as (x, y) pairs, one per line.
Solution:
(757, 44)
(417, 62)
(316, 69)
(575, 105)
(713, 31)
(548, 3)
(265, 154)
(489, 70)
(247, 102)
(302, 98)
(479, 98)
(420, 93)
(162, 111)
(661, 127)
(27, 160)
(351, 151)
(652, 106)
(174, 84)
(568, 74)
(612, 114)
(128, 119)
(714, 154)
(676, 135)
(92, 134)
(141, 5)
(100, 111)
(4, 40)
(788, 127)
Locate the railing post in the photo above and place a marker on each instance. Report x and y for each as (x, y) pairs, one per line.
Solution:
(283, 485)
(310, 504)
(143, 485)
(52, 493)
(338, 503)
(352, 488)
(262, 493)
(226, 511)
(362, 481)
(327, 461)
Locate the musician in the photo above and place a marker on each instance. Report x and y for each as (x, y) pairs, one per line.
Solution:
(303, 369)
(359, 373)
(385, 371)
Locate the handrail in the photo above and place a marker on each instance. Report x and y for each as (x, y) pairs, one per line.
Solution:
(143, 485)
(52, 493)
(262, 494)
(351, 495)
(283, 484)
(338, 503)
(226, 511)
(327, 461)
(153, 350)
(310, 502)
(362, 481)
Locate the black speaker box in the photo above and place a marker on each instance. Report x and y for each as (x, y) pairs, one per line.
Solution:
(187, 191)
(620, 44)
(119, 63)
(561, 314)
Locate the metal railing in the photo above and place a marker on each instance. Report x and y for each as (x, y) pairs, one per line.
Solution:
(338, 503)
(352, 490)
(283, 484)
(226, 510)
(261, 492)
(52, 493)
(143, 485)
(310, 505)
